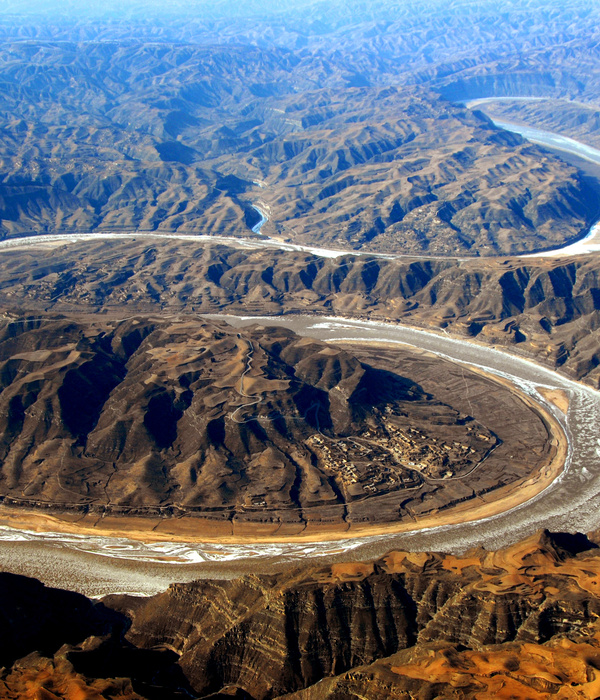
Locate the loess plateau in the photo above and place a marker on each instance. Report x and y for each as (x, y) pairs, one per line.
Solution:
(333, 124)
(521, 622)
(252, 432)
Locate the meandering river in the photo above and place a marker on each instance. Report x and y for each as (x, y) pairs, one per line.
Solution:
(561, 144)
(572, 502)
(99, 565)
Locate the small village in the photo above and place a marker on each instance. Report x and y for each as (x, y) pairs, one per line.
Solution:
(394, 456)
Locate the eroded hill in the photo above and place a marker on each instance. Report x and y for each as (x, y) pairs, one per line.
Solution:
(543, 308)
(153, 417)
(519, 622)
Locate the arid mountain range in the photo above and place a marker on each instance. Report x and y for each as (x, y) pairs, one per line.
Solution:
(518, 623)
(439, 179)
(542, 308)
(343, 131)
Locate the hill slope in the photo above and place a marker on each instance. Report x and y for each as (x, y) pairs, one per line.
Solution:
(519, 622)
(255, 432)
(543, 308)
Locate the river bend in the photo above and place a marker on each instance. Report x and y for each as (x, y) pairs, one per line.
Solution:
(99, 565)
(570, 503)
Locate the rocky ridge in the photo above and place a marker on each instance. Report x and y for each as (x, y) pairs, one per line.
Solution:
(543, 308)
(521, 622)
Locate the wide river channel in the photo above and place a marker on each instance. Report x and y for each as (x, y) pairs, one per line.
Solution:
(97, 565)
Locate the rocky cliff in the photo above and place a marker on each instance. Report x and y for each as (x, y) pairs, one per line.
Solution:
(520, 622)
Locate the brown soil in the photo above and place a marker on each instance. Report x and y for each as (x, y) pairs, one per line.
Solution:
(396, 442)
(201, 530)
(556, 396)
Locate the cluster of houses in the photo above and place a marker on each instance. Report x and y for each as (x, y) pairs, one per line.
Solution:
(392, 457)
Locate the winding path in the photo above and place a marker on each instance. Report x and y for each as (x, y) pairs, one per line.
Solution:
(242, 392)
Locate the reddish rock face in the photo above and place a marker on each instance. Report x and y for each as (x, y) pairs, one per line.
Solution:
(520, 620)
(40, 678)
(419, 619)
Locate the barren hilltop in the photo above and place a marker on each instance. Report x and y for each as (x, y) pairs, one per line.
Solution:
(252, 433)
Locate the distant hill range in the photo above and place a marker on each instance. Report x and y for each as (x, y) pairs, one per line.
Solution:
(166, 121)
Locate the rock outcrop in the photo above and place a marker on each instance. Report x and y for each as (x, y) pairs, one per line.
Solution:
(519, 622)
(524, 618)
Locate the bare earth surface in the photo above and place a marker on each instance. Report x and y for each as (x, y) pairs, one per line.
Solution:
(256, 432)
(299, 157)
(518, 622)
